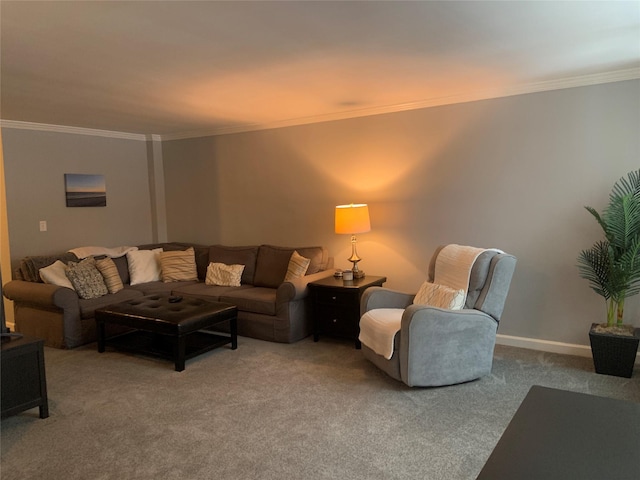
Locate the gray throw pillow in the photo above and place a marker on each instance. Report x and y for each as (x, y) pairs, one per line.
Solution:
(86, 279)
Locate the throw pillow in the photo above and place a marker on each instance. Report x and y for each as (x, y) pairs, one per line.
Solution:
(109, 272)
(55, 274)
(298, 266)
(439, 296)
(224, 275)
(144, 266)
(86, 279)
(178, 265)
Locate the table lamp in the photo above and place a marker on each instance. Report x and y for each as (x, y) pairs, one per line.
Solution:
(352, 219)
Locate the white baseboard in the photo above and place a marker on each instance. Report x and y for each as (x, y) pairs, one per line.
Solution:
(548, 346)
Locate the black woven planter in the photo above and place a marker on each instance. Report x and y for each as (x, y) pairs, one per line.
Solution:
(614, 354)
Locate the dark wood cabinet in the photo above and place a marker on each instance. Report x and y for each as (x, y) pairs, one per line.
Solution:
(336, 306)
(24, 383)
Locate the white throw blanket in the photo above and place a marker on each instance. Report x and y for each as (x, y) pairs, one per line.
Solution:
(454, 264)
(113, 252)
(378, 327)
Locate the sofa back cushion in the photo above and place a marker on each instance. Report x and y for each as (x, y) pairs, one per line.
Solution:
(244, 255)
(273, 261)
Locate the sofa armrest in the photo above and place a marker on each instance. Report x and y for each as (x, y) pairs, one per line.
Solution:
(297, 288)
(40, 294)
(380, 297)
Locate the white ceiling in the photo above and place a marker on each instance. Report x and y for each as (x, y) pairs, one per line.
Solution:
(179, 68)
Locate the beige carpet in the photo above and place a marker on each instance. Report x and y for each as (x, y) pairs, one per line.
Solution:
(274, 411)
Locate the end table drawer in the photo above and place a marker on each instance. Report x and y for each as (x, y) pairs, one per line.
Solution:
(333, 297)
(338, 321)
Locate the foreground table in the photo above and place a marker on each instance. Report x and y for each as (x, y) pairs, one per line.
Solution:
(24, 383)
(563, 435)
(169, 327)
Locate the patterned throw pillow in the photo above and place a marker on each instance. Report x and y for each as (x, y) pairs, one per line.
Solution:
(109, 271)
(298, 266)
(224, 275)
(439, 296)
(86, 279)
(178, 265)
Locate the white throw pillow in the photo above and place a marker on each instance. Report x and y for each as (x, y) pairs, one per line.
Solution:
(55, 274)
(439, 296)
(144, 266)
(224, 275)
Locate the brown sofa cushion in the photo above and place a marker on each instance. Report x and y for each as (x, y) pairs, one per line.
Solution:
(256, 300)
(245, 255)
(273, 261)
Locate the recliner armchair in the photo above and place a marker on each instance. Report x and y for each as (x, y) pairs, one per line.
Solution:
(436, 346)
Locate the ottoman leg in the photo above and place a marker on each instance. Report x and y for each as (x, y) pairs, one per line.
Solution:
(180, 352)
(234, 333)
(101, 335)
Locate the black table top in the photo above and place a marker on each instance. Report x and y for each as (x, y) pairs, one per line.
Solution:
(15, 340)
(356, 283)
(556, 434)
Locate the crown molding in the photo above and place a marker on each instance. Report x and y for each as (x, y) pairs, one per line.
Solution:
(506, 91)
(45, 127)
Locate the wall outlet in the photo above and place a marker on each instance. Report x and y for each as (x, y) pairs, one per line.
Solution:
(43, 225)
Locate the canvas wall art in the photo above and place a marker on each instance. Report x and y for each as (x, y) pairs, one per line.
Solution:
(85, 190)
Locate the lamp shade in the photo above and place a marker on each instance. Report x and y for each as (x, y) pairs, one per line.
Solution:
(352, 218)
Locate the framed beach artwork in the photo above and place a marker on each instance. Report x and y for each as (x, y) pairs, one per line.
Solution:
(85, 190)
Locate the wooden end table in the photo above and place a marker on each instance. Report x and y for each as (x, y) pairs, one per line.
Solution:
(24, 384)
(336, 305)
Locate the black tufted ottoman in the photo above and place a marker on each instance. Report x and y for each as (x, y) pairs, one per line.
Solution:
(169, 327)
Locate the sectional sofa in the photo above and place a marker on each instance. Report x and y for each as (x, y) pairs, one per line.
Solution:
(269, 308)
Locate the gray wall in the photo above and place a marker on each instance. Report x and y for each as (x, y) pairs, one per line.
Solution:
(35, 163)
(512, 173)
(192, 189)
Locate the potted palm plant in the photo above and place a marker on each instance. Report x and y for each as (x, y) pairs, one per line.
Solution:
(612, 267)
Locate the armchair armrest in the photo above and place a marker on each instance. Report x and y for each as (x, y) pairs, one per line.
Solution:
(380, 297)
(298, 287)
(443, 347)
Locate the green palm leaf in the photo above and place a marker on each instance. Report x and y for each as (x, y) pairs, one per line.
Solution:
(612, 266)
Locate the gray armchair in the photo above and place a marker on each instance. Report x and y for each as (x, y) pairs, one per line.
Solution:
(435, 346)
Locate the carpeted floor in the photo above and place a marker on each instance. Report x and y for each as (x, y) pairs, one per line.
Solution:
(274, 411)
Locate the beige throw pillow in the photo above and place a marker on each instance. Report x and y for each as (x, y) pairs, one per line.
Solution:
(178, 265)
(439, 296)
(224, 275)
(298, 266)
(109, 271)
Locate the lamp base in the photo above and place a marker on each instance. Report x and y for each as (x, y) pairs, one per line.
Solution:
(358, 274)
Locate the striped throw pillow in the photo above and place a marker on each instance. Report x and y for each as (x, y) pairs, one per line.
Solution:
(224, 275)
(298, 266)
(109, 272)
(178, 266)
